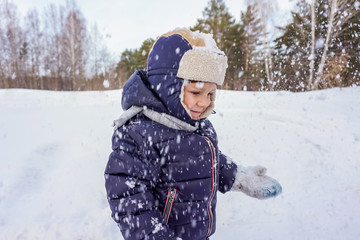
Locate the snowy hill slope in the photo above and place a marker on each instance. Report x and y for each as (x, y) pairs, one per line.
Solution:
(54, 148)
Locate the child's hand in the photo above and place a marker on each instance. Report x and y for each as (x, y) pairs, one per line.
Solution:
(253, 182)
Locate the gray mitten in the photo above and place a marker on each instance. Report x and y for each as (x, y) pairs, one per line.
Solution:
(253, 182)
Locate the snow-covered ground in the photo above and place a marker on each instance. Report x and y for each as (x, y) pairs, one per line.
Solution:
(54, 147)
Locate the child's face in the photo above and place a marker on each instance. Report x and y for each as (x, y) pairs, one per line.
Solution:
(197, 97)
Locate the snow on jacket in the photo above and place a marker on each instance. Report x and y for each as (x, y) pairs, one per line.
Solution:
(164, 172)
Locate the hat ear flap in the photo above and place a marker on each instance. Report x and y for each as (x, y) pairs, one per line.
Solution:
(210, 108)
(182, 97)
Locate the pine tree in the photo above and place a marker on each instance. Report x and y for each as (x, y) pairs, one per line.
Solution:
(228, 36)
(316, 49)
(342, 64)
(253, 72)
(292, 51)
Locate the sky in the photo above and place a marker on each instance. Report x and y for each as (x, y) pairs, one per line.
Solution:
(126, 24)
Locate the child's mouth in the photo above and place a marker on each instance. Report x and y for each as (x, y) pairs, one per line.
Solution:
(196, 113)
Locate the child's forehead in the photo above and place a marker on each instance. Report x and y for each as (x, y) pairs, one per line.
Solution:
(202, 85)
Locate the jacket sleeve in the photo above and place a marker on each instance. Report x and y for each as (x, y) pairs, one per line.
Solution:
(129, 178)
(227, 172)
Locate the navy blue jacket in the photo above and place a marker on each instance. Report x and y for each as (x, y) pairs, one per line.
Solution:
(162, 182)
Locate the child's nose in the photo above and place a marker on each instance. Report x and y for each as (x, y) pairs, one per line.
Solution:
(204, 102)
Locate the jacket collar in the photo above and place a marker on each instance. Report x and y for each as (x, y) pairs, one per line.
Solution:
(162, 118)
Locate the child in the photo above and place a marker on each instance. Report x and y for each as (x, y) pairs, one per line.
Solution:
(165, 169)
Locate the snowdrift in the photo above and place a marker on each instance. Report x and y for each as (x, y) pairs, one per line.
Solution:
(54, 147)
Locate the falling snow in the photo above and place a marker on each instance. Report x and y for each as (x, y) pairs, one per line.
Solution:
(157, 225)
(177, 51)
(199, 84)
(106, 83)
(130, 184)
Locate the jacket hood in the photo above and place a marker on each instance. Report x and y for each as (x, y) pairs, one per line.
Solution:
(137, 92)
(163, 65)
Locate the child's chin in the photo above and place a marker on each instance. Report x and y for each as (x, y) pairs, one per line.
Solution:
(195, 117)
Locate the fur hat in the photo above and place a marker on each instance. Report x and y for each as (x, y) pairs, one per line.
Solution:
(203, 61)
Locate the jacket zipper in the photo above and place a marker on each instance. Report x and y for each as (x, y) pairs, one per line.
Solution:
(213, 185)
(168, 204)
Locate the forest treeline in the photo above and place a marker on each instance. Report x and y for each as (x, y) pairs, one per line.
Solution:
(319, 48)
